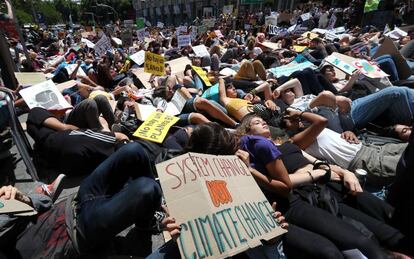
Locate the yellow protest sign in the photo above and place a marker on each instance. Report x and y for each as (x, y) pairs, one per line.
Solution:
(202, 74)
(155, 127)
(298, 48)
(154, 64)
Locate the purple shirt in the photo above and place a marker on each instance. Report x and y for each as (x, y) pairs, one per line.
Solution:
(261, 150)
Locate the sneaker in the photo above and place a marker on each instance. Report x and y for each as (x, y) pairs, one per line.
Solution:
(52, 190)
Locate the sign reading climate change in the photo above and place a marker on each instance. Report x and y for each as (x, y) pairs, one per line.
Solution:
(217, 203)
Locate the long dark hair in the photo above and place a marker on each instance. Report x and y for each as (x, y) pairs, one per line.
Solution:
(212, 138)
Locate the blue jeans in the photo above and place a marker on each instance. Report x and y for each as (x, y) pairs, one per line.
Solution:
(120, 192)
(395, 102)
(387, 64)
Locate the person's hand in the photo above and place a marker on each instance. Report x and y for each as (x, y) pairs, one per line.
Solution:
(270, 105)
(350, 137)
(275, 94)
(279, 217)
(244, 156)
(248, 97)
(335, 176)
(169, 224)
(10, 193)
(293, 113)
(78, 62)
(351, 182)
(272, 81)
(70, 127)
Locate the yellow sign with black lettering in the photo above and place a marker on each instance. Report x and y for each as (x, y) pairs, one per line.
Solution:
(202, 74)
(154, 64)
(156, 127)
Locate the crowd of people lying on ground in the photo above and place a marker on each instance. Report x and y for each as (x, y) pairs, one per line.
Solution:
(291, 130)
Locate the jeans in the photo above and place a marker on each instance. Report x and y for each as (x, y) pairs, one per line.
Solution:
(387, 64)
(120, 192)
(395, 102)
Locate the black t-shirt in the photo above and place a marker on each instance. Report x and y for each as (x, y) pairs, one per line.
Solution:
(292, 157)
(73, 152)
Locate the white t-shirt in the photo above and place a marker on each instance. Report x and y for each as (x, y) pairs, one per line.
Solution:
(330, 146)
(302, 103)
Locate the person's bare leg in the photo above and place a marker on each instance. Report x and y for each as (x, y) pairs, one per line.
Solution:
(198, 118)
(325, 98)
(259, 69)
(246, 72)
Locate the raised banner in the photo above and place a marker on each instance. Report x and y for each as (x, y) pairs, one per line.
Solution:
(342, 65)
(154, 64)
(156, 127)
(218, 204)
(183, 40)
(202, 74)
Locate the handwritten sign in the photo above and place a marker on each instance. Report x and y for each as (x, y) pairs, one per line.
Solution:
(271, 20)
(154, 64)
(200, 50)
(306, 16)
(290, 68)
(298, 48)
(181, 30)
(138, 57)
(273, 30)
(103, 45)
(202, 74)
(184, 40)
(218, 204)
(331, 22)
(336, 62)
(369, 69)
(155, 127)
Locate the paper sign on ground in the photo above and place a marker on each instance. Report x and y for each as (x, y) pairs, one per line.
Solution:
(340, 64)
(89, 43)
(154, 64)
(290, 68)
(298, 48)
(271, 45)
(30, 78)
(138, 57)
(13, 206)
(368, 69)
(103, 45)
(397, 33)
(310, 35)
(70, 68)
(227, 72)
(218, 204)
(45, 95)
(330, 35)
(202, 74)
(200, 50)
(183, 40)
(156, 127)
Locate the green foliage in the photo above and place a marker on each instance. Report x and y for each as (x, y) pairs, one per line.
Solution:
(48, 9)
(23, 17)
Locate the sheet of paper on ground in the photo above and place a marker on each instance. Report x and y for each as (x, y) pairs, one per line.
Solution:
(29, 78)
(45, 95)
(218, 204)
(156, 127)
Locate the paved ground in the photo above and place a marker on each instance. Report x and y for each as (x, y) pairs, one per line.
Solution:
(14, 171)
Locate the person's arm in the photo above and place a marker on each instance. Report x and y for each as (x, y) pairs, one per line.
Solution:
(306, 137)
(350, 180)
(222, 92)
(10, 193)
(75, 71)
(310, 176)
(293, 84)
(350, 82)
(56, 124)
(9, 9)
(279, 177)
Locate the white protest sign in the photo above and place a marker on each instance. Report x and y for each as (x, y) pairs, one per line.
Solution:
(319, 30)
(306, 16)
(89, 43)
(103, 45)
(369, 69)
(290, 68)
(218, 204)
(141, 34)
(183, 40)
(273, 30)
(45, 95)
(330, 35)
(138, 57)
(70, 68)
(193, 32)
(340, 30)
(200, 50)
(271, 20)
(117, 40)
(332, 21)
(228, 9)
(340, 64)
(160, 25)
(218, 34)
(396, 34)
(181, 30)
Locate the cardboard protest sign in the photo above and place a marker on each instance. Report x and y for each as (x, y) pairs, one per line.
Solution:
(340, 64)
(178, 65)
(271, 20)
(270, 45)
(388, 47)
(200, 50)
(309, 35)
(369, 69)
(138, 57)
(65, 85)
(298, 48)
(183, 40)
(181, 30)
(154, 64)
(218, 204)
(228, 9)
(156, 127)
(218, 34)
(29, 78)
(45, 95)
(15, 207)
(202, 28)
(202, 74)
(306, 16)
(103, 45)
(209, 23)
